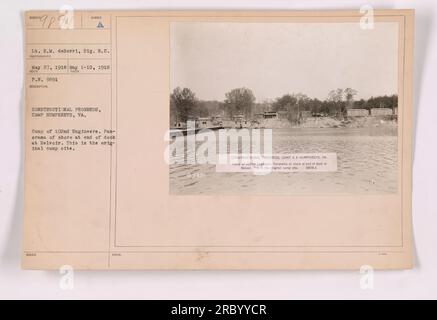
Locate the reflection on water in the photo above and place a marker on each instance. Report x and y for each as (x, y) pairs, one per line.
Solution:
(367, 163)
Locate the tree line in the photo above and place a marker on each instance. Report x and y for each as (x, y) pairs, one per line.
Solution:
(184, 105)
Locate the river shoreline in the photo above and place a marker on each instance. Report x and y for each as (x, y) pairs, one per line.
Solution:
(330, 122)
(367, 164)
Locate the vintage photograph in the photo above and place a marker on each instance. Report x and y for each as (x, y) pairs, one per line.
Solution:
(323, 96)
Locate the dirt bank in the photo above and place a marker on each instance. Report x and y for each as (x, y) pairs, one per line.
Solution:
(368, 122)
(328, 122)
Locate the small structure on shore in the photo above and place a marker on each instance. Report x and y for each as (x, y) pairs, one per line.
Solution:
(203, 123)
(357, 112)
(240, 121)
(228, 123)
(281, 114)
(238, 118)
(179, 125)
(381, 112)
(374, 112)
(236, 121)
(270, 115)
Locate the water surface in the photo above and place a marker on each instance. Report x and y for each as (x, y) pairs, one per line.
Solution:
(366, 160)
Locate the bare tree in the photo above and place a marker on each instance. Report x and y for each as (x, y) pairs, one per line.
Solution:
(349, 95)
(182, 102)
(239, 101)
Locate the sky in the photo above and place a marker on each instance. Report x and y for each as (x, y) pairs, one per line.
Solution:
(273, 59)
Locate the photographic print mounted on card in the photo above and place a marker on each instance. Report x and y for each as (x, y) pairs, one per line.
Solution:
(317, 101)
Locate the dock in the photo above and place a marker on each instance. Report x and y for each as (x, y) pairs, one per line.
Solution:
(174, 132)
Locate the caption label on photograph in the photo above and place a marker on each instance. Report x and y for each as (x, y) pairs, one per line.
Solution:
(296, 162)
